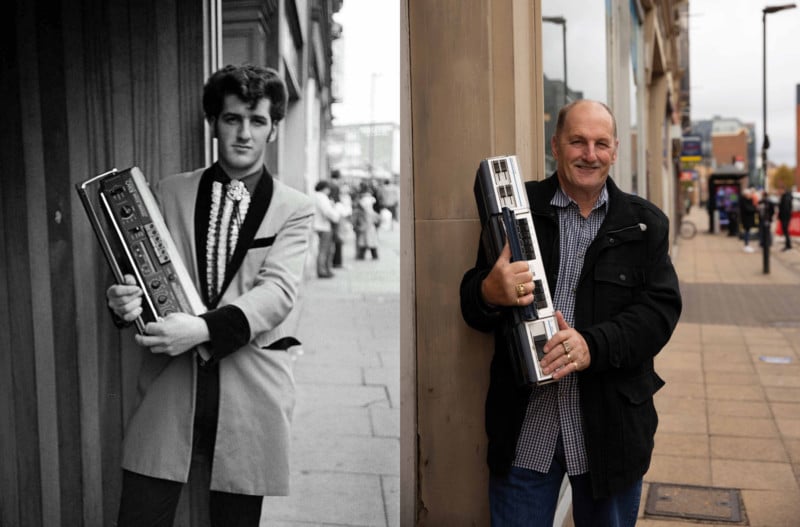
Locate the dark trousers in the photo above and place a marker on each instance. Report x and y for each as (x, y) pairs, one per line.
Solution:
(362, 251)
(152, 502)
(325, 253)
(785, 228)
(746, 235)
(337, 252)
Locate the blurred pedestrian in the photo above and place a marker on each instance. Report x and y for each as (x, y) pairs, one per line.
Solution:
(365, 224)
(785, 214)
(391, 198)
(747, 215)
(343, 203)
(325, 214)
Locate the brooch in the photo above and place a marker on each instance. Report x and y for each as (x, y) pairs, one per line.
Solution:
(236, 190)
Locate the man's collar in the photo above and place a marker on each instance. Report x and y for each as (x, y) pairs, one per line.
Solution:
(250, 181)
(562, 200)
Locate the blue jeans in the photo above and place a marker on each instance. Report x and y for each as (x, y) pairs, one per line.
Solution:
(528, 498)
(746, 235)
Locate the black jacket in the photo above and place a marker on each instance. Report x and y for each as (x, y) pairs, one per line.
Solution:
(627, 305)
(747, 212)
(785, 207)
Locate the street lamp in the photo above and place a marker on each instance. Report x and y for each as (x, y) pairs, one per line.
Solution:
(560, 20)
(765, 223)
(374, 76)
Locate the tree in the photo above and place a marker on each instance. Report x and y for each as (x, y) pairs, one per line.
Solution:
(783, 174)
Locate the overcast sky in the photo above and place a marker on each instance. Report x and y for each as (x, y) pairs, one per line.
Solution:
(370, 46)
(725, 42)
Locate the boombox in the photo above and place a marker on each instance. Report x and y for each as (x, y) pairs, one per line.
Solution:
(128, 223)
(505, 215)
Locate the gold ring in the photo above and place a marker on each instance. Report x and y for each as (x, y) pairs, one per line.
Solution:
(576, 364)
(567, 347)
(568, 357)
(520, 289)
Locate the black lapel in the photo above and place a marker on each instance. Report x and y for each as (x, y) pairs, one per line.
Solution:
(202, 209)
(259, 203)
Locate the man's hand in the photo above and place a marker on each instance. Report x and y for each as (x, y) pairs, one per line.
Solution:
(508, 283)
(174, 334)
(566, 351)
(125, 300)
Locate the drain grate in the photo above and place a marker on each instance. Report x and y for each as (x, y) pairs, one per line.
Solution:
(694, 503)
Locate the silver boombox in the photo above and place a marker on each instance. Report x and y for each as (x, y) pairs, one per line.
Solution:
(135, 240)
(505, 215)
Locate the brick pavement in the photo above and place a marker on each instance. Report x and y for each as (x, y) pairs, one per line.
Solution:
(727, 418)
(346, 431)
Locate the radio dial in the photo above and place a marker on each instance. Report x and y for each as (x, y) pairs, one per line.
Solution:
(126, 211)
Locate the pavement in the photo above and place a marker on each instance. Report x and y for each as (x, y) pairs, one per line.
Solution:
(729, 415)
(346, 432)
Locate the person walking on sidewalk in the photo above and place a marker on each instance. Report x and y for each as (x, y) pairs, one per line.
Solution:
(342, 202)
(246, 234)
(606, 255)
(365, 224)
(325, 217)
(747, 215)
(785, 215)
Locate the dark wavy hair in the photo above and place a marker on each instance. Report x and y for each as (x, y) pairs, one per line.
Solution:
(248, 82)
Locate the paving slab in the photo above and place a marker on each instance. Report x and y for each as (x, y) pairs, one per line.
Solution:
(346, 431)
(730, 411)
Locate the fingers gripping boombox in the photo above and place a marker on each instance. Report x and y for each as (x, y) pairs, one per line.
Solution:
(505, 215)
(135, 240)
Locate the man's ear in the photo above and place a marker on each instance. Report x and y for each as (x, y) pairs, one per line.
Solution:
(273, 134)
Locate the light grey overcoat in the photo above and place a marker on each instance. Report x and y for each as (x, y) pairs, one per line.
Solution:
(257, 391)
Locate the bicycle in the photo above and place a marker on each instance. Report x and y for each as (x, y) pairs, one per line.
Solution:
(687, 229)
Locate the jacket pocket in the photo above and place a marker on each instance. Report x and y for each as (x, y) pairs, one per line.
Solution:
(617, 285)
(619, 274)
(641, 388)
(638, 419)
(262, 242)
(633, 430)
(282, 344)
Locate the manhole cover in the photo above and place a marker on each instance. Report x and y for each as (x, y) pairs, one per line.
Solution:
(693, 502)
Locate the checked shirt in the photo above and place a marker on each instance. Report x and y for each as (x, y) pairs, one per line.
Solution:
(554, 409)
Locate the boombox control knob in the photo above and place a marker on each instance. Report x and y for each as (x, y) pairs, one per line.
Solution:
(126, 211)
(155, 284)
(162, 299)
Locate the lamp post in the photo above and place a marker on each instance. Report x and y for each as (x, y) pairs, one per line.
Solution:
(374, 76)
(560, 20)
(765, 216)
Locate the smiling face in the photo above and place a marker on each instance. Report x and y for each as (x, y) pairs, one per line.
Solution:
(585, 148)
(242, 134)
